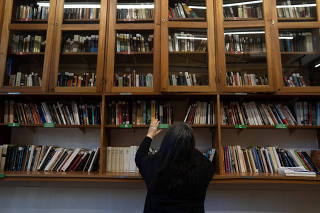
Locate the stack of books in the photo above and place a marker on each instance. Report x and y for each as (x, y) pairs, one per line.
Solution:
(81, 43)
(296, 41)
(134, 43)
(133, 80)
(181, 10)
(68, 79)
(135, 14)
(22, 79)
(121, 159)
(244, 79)
(186, 79)
(200, 113)
(245, 43)
(294, 80)
(70, 113)
(285, 9)
(243, 11)
(268, 160)
(187, 42)
(81, 13)
(27, 44)
(252, 113)
(31, 12)
(32, 158)
(139, 112)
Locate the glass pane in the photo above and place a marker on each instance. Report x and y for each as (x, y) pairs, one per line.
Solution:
(246, 57)
(30, 11)
(138, 11)
(189, 10)
(188, 57)
(25, 53)
(242, 10)
(297, 10)
(78, 59)
(81, 11)
(300, 56)
(133, 59)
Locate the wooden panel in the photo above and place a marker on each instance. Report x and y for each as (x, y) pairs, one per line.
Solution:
(32, 26)
(134, 26)
(103, 142)
(243, 24)
(2, 5)
(297, 25)
(192, 25)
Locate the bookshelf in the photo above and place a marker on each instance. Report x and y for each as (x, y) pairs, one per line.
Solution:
(206, 53)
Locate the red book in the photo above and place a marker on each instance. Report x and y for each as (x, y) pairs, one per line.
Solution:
(301, 156)
(77, 158)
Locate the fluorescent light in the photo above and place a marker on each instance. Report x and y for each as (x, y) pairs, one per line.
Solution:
(286, 37)
(191, 38)
(242, 3)
(245, 33)
(198, 7)
(318, 65)
(135, 6)
(297, 5)
(72, 5)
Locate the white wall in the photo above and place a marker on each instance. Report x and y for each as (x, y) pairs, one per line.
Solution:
(17, 197)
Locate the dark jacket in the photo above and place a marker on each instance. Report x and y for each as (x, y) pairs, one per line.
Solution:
(190, 199)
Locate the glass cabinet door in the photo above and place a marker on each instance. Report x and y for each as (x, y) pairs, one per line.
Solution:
(300, 57)
(81, 11)
(190, 10)
(296, 10)
(246, 58)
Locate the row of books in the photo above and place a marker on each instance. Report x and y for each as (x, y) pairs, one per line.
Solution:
(32, 158)
(187, 42)
(139, 112)
(244, 79)
(81, 13)
(132, 43)
(68, 79)
(133, 80)
(19, 79)
(31, 12)
(243, 11)
(252, 113)
(200, 113)
(270, 160)
(121, 159)
(27, 43)
(81, 43)
(294, 80)
(294, 12)
(181, 10)
(296, 41)
(243, 43)
(69, 113)
(184, 79)
(134, 14)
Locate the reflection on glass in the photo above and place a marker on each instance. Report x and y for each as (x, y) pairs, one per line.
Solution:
(135, 12)
(296, 10)
(133, 59)
(188, 57)
(81, 11)
(300, 56)
(25, 53)
(242, 9)
(30, 11)
(78, 59)
(246, 57)
(194, 10)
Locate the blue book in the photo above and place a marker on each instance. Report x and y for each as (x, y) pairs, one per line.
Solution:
(33, 158)
(144, 112)
(9, 66)
(28, 156)
(41, 114)
(257, 159)
(318, 113)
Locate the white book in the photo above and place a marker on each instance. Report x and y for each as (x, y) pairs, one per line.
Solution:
(18, 79)
(57, 161)
(30, 157)
(273, 159)
(69, 161)
(109, 159)
(53, 159)
(75, 113)
(132, 164)
(94, 159)
(65, 160)
(46, 112)
(277, 157)
(45, 156)
(268, 160)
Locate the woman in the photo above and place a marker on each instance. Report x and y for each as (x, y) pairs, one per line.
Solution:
(177, 176)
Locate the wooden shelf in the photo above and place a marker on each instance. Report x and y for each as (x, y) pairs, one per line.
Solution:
(27, 53)
(81, 20)
(57, 126)
(79, 53)
(297, 19)
(29, 20)
(246, 53)
(76, 89)
(147, 126)
(29, 27)
(134, 20)
(187, 53)
(187, 19)
(242, 19)
(270, 127)
(299, 53)
(134, 53)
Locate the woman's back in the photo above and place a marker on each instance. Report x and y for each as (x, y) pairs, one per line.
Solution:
(175, 184)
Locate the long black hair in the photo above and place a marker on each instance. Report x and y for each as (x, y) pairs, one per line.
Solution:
(176, 157)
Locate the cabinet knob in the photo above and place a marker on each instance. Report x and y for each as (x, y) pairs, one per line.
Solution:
(163, 20)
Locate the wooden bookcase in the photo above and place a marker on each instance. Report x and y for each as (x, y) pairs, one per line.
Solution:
(213, 26)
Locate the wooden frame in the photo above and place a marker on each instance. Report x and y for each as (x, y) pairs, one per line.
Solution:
(110, 56)
(7, 28)
(60, 28)
(2, 4)
(209, 26)
(222, 25)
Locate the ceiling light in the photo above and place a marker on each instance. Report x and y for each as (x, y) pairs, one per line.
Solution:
(286, 37)
(191, 38)
(242, 3)
(245, 33)
(297, 5)
(135, 6)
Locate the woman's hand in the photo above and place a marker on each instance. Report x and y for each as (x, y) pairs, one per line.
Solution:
(153, 129)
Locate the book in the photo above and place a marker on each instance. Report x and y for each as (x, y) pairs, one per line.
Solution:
(132, 79)
(81, 14)
(135, 13)
(69, 79)
(31, 12)
(130, 43)
(238, 12)
(245, 79)
(200, 113)
(80, 43)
